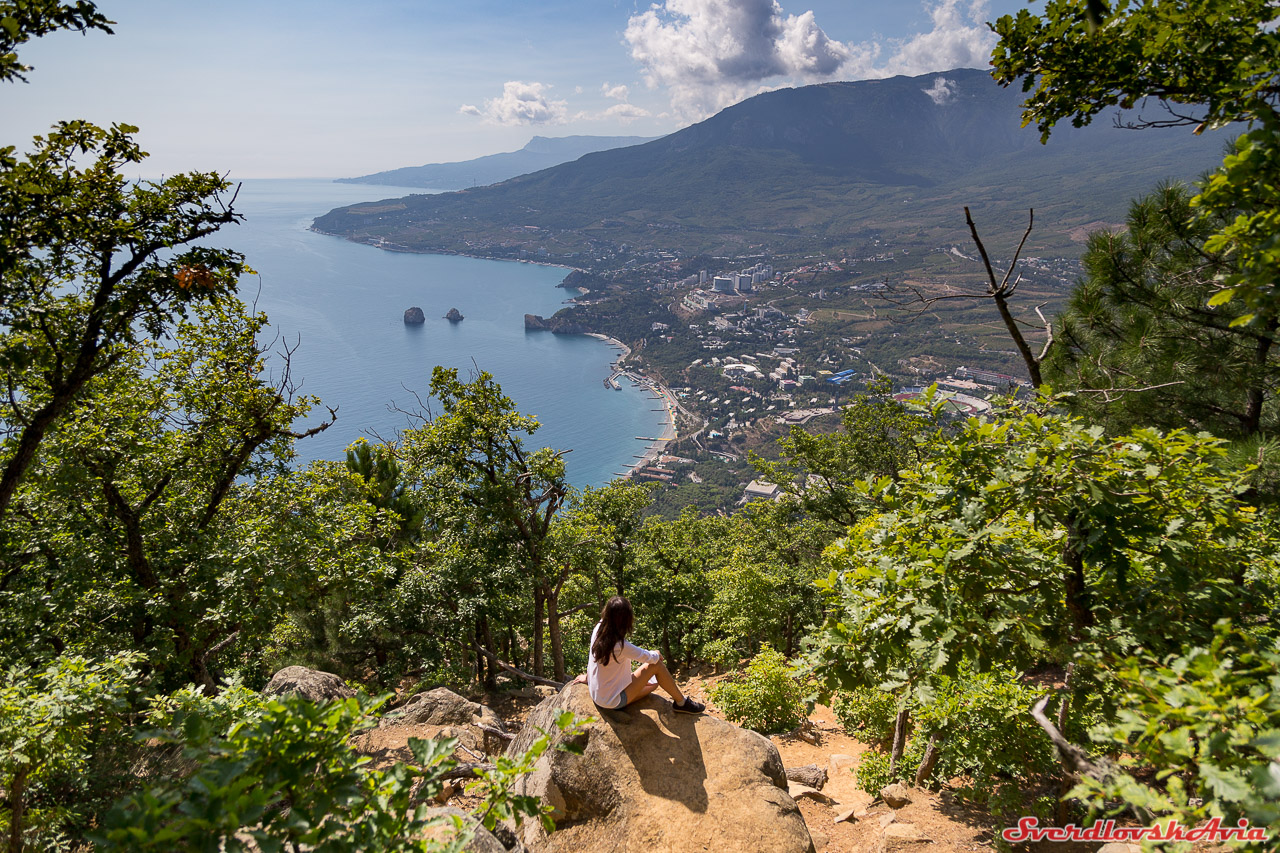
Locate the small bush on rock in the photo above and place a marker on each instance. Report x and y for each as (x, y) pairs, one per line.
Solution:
(765, 698)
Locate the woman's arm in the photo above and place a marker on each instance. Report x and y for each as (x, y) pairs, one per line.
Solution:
(633, 652)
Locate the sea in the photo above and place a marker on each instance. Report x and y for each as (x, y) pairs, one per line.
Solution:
(338, 307)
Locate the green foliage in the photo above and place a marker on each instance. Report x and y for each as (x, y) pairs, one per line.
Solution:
(500, 801)
(872, 772)
(231, 706)
(1208, 720)
(52, 724)
(866, 712)
(986, 733)
(284, 778)
(23, 20)
(1138, 320)
(384, 488)
(1213, 60)
(1037, 538)
(766, 698)
(878, 437)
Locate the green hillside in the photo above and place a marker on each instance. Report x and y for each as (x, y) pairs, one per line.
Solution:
(807, 169)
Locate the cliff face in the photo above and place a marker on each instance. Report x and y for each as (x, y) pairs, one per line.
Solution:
(555, 325)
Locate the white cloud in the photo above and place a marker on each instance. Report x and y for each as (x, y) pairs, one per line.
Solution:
(959, 39)
(617, 93)
(708, 54)
(942, 90)
(520, 103)
(624, 113)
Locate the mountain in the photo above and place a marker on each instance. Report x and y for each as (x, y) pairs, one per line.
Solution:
(808, 169)
(540, 153)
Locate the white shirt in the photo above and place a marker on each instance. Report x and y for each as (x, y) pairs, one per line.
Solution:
(607, 680)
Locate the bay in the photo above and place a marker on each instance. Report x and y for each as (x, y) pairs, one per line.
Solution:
(339, 307)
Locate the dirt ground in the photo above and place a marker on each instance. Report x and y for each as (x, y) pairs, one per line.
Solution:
(947, 823)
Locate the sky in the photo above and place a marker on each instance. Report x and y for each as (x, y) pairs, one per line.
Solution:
(318, 88)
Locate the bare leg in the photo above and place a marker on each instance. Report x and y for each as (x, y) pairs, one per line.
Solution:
(640, 686)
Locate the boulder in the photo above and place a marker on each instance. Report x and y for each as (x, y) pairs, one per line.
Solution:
(414, 316)
(648, 778)
(454, 316)
(436, 714)
(442, 707)
(895, 796)
(903, 836)
(482, 841)
(309, 684)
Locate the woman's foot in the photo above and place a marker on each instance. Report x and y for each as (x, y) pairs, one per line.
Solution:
(689, 706)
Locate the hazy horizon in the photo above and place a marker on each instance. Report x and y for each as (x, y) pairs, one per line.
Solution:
(293, 90)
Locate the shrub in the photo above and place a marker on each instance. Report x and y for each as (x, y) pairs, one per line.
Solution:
(765, 698)
(872, 772)
(866, 712)
(989, 735)
(61, 728)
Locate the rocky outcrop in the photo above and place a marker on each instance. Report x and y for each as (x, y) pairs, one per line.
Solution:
(649, 779)
(556, 325)
(482, 841)
(454, 316)
(438, 713)
(309, 684)
(442, 707)
(414, 316)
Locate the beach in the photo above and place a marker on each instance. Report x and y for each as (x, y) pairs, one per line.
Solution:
(657, 444)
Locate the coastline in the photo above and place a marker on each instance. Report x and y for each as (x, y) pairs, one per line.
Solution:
(405, 250)
(657, 444)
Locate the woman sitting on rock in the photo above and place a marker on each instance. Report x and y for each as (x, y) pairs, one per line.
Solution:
(609, 677)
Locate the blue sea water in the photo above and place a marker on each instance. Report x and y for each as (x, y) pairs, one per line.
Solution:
(342, 305)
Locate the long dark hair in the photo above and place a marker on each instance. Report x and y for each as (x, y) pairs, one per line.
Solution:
(615, 623)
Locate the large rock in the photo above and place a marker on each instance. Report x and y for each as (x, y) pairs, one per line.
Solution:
(414, 316)
(436, 714)
(442, 707)
(651, 779)
(482, 841)
(308, 683)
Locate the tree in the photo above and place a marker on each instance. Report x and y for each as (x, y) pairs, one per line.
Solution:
(878, 437)
(153, 520)
(1208, 63)
(1037, 538)
(496, 497)
(1140, 346)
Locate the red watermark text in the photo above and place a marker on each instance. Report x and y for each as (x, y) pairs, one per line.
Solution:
(1029, 829)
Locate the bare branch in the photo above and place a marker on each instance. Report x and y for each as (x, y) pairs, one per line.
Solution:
(536, 679)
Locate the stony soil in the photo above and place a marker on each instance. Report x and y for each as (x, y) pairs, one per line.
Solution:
(947, 823)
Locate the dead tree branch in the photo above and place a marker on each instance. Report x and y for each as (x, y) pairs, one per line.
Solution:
(536, 679)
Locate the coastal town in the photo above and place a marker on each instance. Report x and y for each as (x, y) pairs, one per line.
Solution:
(737, 354)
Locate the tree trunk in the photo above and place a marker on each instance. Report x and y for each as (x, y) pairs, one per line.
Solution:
(1255, 396)
(1077, 590)
(810, 774)
(553, 628)
(484, 639)
(17, 805)
(900, 726)
(930, 758)
(537, 631)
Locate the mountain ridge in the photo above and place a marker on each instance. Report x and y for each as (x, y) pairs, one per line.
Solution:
(802, 169)
(539, 153)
